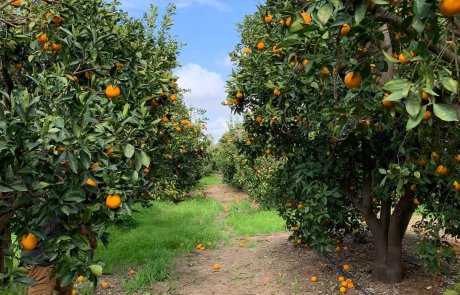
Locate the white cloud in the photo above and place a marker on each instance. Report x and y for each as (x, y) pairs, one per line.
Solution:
(207, 91)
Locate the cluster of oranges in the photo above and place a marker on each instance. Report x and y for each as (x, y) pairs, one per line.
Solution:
(201, 247)
(345, 284)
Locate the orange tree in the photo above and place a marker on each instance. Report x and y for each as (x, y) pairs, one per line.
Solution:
(361, 98)
(80, 124)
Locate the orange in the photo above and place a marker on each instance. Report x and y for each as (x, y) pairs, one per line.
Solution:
(109, 150)
(345, 29)
(457, 185)
(276, 49)
(422, 162)
(60, 148)
(95, 165)
(18, 66)
(174, 85)
(268, 18)
(346, 267)
(398, 36)
(246, 50)
(260, 45)
(259, 119)
(343, 290)
(119, 65)
(56, 46)
(112, 91)
(457, 158)
(324, 72)
(146, 170)
(305, 62)
(178, 129)
(341, 279)
(442, 170)
(16, 3)
(113, 201)
(88, 75)
(306, 17)
(300, 206)
(314, 279)
(239, 95)
(154, 103)
(80, 279)
(91, 182)
(413, 187)
(449, 7)
(276, 92)
(425, 96)
(216, 266)
(29, 242)
(172, 97)
(57, 20)
(288, 22)
(241, 244)
(435, 156)
(350, 285)
(248, 142)
(427, 116)
(267, 152)
(165, 119)
(387, 103)
(104, 285)
(298, 242)
(344, 283)
(352, 80)
(46, 46)
(43, 38)
(403, 60)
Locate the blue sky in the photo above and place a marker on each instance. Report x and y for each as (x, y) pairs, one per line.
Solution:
(208, 27)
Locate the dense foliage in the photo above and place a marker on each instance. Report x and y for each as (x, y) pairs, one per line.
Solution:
(91, 121)
(361, 100)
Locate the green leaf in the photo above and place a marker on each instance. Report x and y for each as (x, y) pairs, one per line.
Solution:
(417, 174)
(389, 57)
(360, 12)
(295, 26)
(449, 84)
(382, 171)
(380, 2)
(129, 151)
(325, 13)
(445, 112)
(72, 160)
(398, 85)
(414, 122)
(413, 104)
(145, 159)
(395, 96)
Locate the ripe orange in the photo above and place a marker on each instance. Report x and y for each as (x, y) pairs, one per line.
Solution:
(344, 283)
(43, 38)
(172, 97)
(154, 103)
(343, 290)
(442, 170)
(425, 96)
(314, 279)
(276, 49)
(109, 150)
(88, 75)
(267, 152)
(403, 60)
(57, 20)
(435, 156)
(324, 72)
(457, 185)
(350, 285)
(60, 149)
(119, 65)
(46, 46)
(260, 45)
(300, 206)
(276, 92)
(346, 267)
(239, 95)
(457, 158)
(306, 17)
(146, 170)
(298, 242)
(165, 119)
(248, 142)
(113, 201)
(80, 279)
(18, 66)
(345, 29)
(29, 242)
(112, 91)
(341, 279)
(216, 266)
(427, 116)
(288, 22)
(352, 80)
(259, 119)
(246, 50)
(16, 3)
(387, 103)
(268, 18)
(449, 7)
(104, 285)
(241, 244)
(56, 46)
(178, 129)
(91, 182)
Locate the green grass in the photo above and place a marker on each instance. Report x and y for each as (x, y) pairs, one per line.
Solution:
(212, 179)
(163, 232)
(250, 221)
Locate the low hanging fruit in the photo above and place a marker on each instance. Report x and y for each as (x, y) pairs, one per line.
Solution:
(345, 29)
(91, 182)
(113, 201)
(112, 91)
(268, 18)
(29, 242)
(449, 7)
(352, 80)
